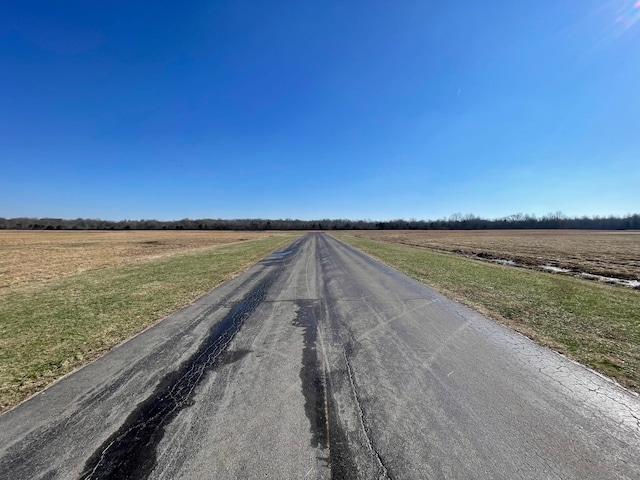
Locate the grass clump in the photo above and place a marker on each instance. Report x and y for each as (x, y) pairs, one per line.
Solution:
(50, 329)
(595, 324)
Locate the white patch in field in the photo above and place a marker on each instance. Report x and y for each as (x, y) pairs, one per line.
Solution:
(504, 261)
(617, 281)
(551, 268)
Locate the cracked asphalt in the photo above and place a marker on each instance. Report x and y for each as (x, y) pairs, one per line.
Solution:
(320, 362)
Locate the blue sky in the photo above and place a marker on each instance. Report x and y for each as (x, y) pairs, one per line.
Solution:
(319, 109)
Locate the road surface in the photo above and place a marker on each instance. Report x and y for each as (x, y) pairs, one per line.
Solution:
(320, 362)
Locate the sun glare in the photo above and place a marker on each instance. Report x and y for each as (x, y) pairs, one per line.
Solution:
(628, 15)
(614, 19)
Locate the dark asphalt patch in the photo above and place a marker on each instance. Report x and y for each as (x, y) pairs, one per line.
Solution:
(311, 374)
(277, 257)
(320, 408)
(131, 451)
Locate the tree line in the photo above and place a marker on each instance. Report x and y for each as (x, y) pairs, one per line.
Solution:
(454, 222)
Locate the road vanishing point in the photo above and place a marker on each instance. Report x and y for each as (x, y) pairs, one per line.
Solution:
(320, 362)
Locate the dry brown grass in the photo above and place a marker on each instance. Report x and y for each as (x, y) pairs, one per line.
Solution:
(57, 320)
(32, 257)
(607, 253)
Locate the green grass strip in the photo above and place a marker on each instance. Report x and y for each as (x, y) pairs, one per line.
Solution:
(49, 330)
(595, 324)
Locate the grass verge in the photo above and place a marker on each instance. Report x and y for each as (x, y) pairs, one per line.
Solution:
(595, 324)
(49, 330)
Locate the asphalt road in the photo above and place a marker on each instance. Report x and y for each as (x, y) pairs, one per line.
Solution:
(320, 362)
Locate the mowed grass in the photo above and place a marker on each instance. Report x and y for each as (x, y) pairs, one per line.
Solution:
(595, 324)
(48, 330)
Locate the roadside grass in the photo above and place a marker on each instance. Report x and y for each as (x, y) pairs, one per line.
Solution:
(48, 330)
(595, 324)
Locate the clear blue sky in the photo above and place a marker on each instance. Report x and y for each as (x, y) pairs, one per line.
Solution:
(319, 109)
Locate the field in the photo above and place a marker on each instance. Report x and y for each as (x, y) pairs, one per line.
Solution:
(68, 297)
(29, 257)
(593, 322)
(610, 254)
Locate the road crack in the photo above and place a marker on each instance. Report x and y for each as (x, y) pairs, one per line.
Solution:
(383, 472)
(130, 452)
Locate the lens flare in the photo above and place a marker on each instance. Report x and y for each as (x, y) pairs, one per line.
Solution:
(628, 15)
(613, 20)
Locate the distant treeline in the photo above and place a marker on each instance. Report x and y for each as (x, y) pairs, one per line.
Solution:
(455, 222)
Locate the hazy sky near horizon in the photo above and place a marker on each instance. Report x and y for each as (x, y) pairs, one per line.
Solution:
(319, 109)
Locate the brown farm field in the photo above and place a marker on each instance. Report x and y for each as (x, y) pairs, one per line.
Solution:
(33, 257)
(600, 253)
(66, 298)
